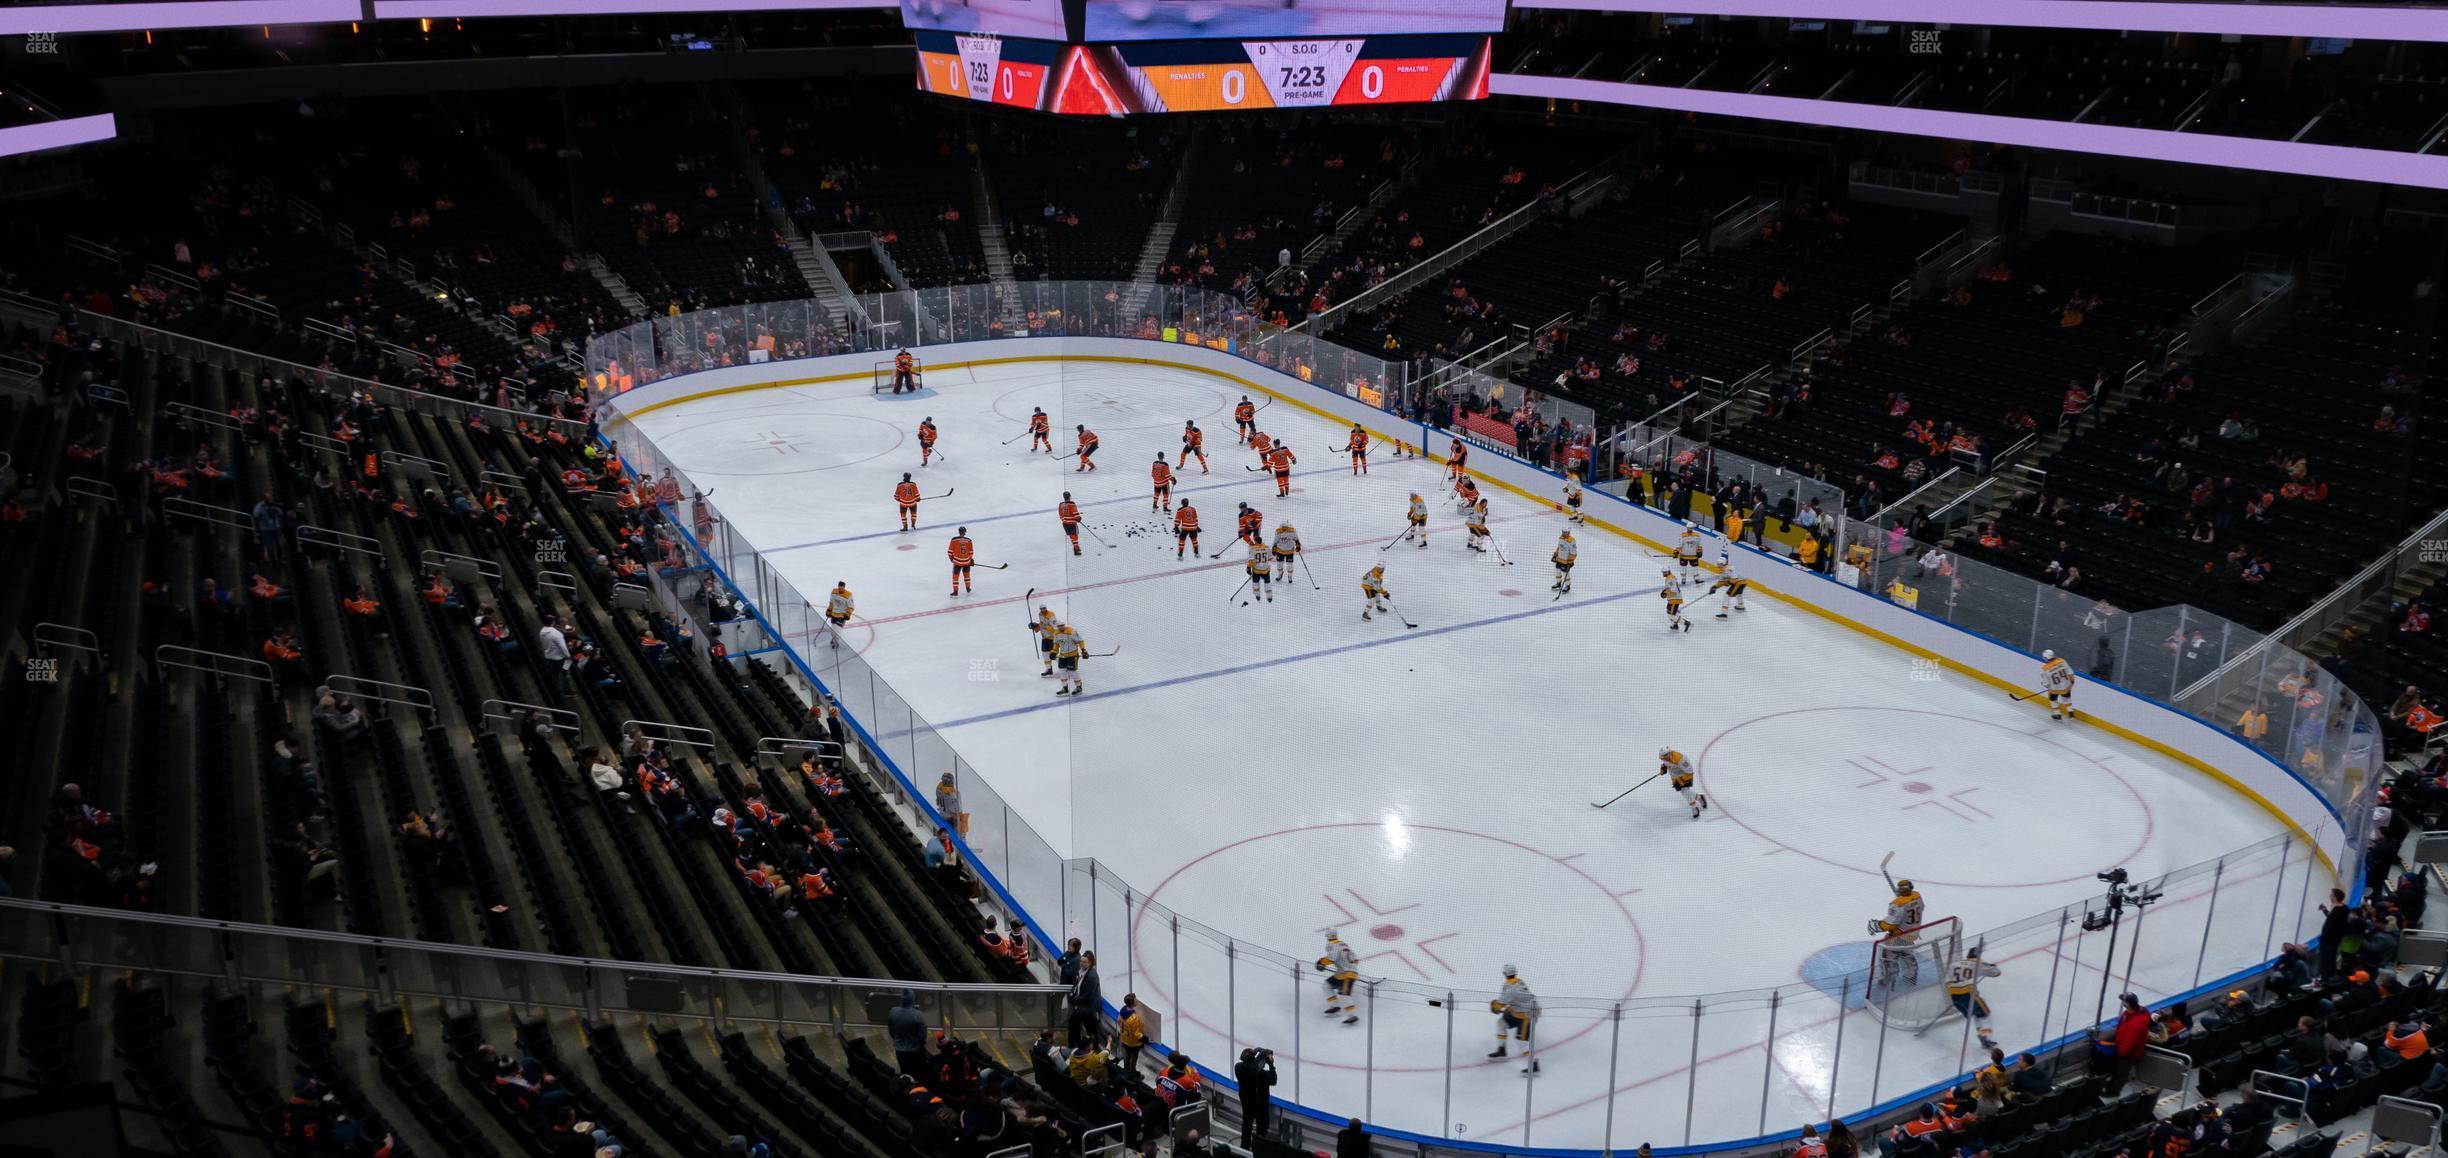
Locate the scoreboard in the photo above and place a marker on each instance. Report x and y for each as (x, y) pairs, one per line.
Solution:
(1204, 75)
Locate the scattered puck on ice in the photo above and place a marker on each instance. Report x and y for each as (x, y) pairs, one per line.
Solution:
(1245, 603)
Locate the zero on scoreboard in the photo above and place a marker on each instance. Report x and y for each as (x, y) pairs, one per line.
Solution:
(1201, 75)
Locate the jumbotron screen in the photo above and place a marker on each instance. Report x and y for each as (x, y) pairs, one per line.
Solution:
(1109, 21)
(1203, 75)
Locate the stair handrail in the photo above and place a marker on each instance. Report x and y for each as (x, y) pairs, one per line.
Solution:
(2330, 609)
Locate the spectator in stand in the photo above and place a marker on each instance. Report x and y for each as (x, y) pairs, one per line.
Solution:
(552, 647)
(1352, 1141)
(2131, 1036)
(287, 659)
(1133, 1035)
(1086, 1000)
(1255, 1074)
(908, 1027)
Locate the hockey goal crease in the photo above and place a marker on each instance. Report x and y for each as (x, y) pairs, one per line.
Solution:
(1908, 974)
(884, 375)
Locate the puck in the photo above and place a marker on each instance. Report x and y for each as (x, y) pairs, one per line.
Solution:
(1245, 603)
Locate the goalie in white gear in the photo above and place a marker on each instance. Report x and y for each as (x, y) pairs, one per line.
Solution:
(1963, 992)
(1902, 967)
(1516, 1010)
(1342, 969)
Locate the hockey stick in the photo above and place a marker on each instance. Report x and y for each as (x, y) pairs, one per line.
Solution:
(1018, 437)
(2026, 695)
(947, 494)
(1883, 868)
(1106, 654)
(942, 455)
(1226, 547)
(994, 567)
(1255, 469)
(1398, 615)
(1245, 581)
(1303, 560)
(1093, 535)
(1500, 559)
(1405, 534)
(1626, 792)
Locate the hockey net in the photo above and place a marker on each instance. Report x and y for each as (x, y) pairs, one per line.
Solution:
(884, 375)
(1908, 973)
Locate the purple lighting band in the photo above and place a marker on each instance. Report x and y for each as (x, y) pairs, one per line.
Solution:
(2309, 160)
(2346, 21)
(19, 21)
(413, 9)
(57, 134)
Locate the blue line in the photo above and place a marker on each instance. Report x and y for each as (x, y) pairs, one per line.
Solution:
(1321, 653)
(1034, 514)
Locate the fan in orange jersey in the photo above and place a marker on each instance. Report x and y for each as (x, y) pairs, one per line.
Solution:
(1280, 460)
(1185, 530)
(926, 440)
(963, 553)
(1453, 461)
(906, 494)
(1248, 525)
(1359, 446)
(1068, 512)
(1162, 476)
(1245, 420)
(1040, 431)
(1087, 448)
(1262, 442)
(1193, 443)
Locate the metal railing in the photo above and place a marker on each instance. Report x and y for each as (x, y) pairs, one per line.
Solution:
(236, 954)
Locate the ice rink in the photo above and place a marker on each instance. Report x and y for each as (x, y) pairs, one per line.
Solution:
(1275, 770)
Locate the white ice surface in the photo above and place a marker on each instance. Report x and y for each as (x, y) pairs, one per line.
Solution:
(1273, 770)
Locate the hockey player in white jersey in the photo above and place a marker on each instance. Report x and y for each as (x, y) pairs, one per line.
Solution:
(1342, 969)
(1516, 1010)
(1963, 992)
(1728, 586)
(2057, 679)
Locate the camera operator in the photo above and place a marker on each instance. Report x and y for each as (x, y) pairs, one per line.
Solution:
(1256, 1074)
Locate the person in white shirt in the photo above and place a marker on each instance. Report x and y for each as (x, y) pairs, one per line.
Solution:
(554, 647)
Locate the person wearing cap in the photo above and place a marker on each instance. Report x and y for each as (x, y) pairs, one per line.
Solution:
(1516, 1010)
(1917, 1138)
(2131, 1037)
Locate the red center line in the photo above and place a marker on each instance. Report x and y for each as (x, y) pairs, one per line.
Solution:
(1207, 566)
